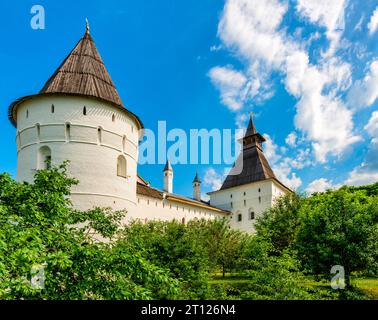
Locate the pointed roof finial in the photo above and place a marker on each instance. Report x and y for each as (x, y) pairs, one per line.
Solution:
(196, 178)
(168, 166)
(251, 127)
(86, 26)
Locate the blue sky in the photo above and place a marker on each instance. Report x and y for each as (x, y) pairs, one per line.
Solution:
(308, 69)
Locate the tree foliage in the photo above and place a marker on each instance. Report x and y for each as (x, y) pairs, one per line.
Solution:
(38, 228)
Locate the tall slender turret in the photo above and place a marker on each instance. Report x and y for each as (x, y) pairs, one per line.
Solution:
(168, 177)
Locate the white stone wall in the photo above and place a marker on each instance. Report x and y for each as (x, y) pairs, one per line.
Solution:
(93, 157)
(254, 197)
(149, 209)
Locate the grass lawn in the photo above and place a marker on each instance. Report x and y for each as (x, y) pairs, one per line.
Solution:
(368, 286)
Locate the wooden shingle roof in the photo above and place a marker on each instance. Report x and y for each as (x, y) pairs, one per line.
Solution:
(251, 165)
(81, 73)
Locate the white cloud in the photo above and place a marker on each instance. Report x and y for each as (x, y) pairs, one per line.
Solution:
(284, 173)
(302, 159)
(271, 149)
(372, 126)
(367, 172)
(320, 185)
(373, 23)
(364, 92)
(249, 27)
(360, 178)
(231, 85)
(213, 179)
(291, 139)
(252, 29)
(358, 26)
(323, 118)
(328, 14)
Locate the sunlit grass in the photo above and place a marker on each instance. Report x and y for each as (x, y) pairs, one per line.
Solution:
(368, 286)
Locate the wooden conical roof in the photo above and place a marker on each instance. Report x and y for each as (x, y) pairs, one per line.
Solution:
(83, 72)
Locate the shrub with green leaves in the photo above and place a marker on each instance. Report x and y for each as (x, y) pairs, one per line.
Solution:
(38, 228)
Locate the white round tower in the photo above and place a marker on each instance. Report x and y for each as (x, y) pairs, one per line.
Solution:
(78, 116)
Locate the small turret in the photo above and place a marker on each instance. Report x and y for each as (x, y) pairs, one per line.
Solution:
(197, 188)
(168, 178)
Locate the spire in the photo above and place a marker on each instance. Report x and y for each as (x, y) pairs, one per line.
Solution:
(168, 178)
(86, 26)
(196, 178)
(251, 127)
(83, 73)
(251, 165)
(197, 188)
(168, 166)
(252, 138)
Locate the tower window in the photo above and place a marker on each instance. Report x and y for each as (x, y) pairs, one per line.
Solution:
(252, 215)
(123, 143)
(259, 189)
(183, 221)
(240, 217)
(113, 117)
(38, 131)
(244, 193)
(85, 110)
(259, 199)
(68, 131)
(232, 205)
(99, 135)
(44, 158)
(245, 203)
(231, 196)
(27, 113)
(121, 166)
(52, 108)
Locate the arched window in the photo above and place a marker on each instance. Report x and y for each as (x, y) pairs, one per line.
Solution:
(52, 108)
(239, 217)
(113, 117)
(85, 110)
(121, 166)
(183, 221)
(251, 214)
(44, 158)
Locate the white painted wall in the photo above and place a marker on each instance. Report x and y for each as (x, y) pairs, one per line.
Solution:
(149, 209)
(93, 161)
(254, 197)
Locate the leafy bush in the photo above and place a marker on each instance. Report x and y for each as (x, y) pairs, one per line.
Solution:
(36, 229)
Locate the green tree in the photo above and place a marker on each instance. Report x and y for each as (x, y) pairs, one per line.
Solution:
(38, 228)
(280, 224)
(339, 228)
